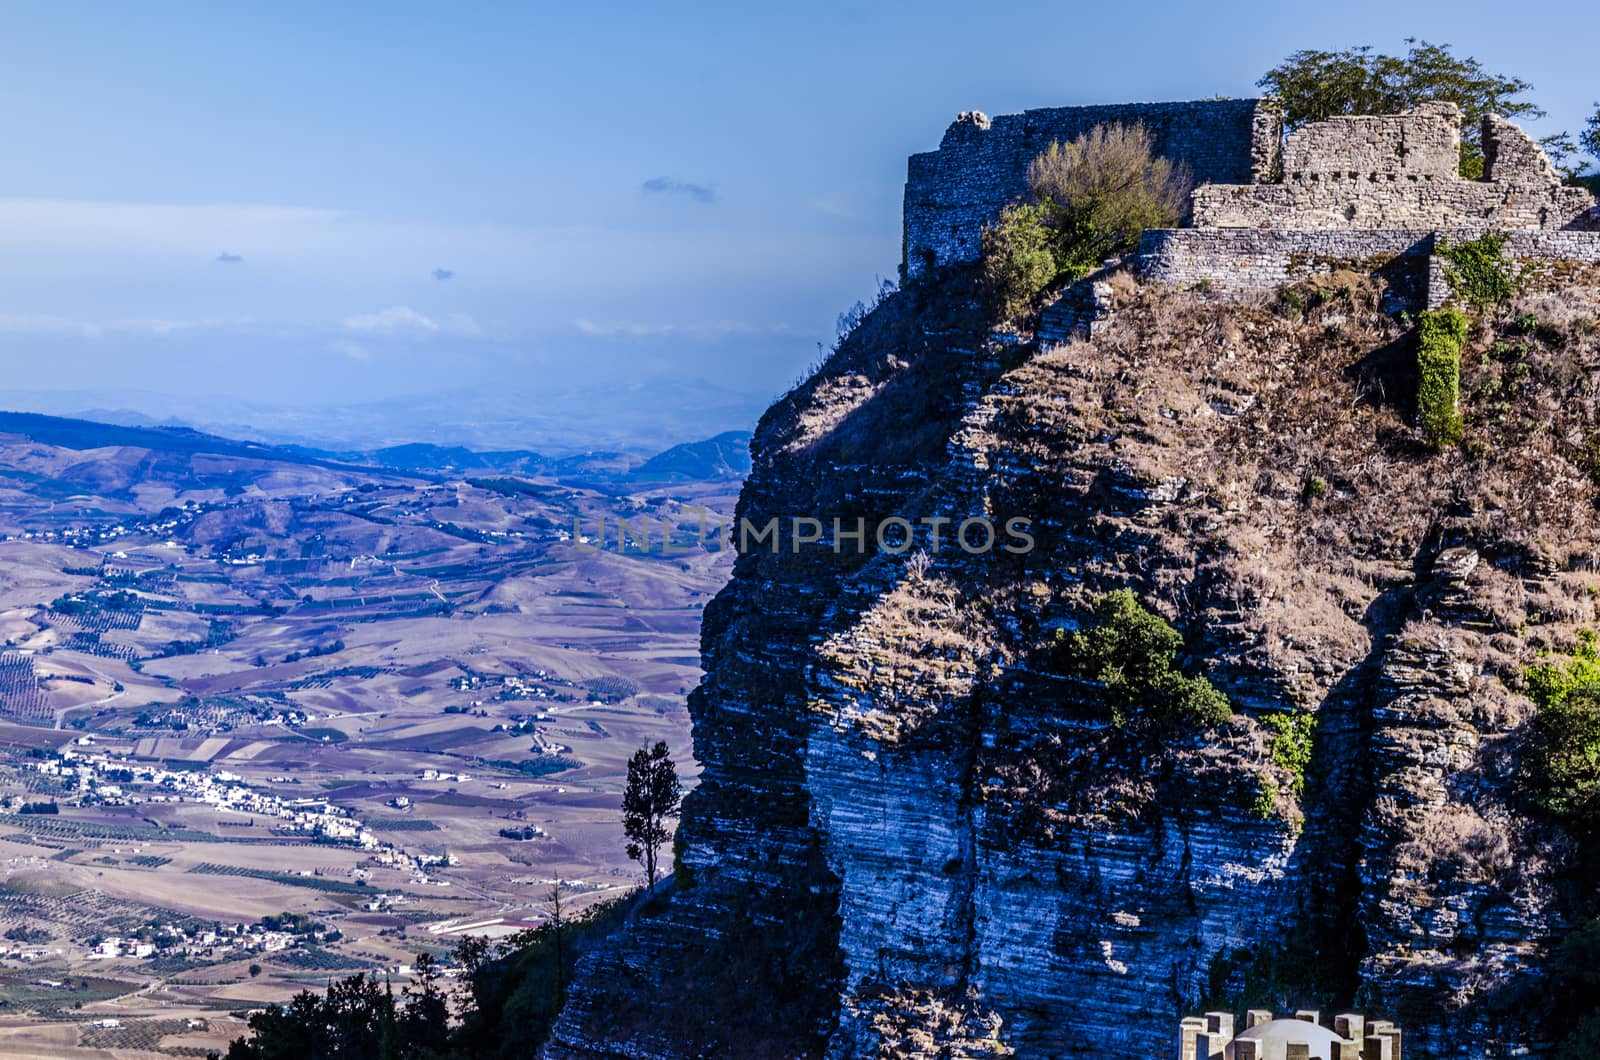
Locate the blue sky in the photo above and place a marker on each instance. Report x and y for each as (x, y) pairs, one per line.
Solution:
(301, 207)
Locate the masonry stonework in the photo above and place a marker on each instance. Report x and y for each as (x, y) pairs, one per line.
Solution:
(1399, 171)
(982, 164)
(1373, 193)
(1245, 259)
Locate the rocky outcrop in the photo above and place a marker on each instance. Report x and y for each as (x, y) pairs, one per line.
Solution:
(917, 835)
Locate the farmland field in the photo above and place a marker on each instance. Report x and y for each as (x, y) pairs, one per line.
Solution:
(384, 701)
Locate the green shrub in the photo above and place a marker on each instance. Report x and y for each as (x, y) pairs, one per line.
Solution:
(1530, 324)
(1087, 200)
(1102, 190)
(1577, 973)
(1131, 654)
(1564, 751)
(1266, 801)
(1583, 1043)
(1440, 337)
(1018, 261)
(1479, 273)
(1291, 745)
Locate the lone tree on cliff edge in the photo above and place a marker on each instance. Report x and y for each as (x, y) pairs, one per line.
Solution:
(653, 794)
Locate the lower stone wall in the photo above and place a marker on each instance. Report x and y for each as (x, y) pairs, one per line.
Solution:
(1566, 245)
(1366, 202)
(1078, 312)
(1246, 259)
(1251, 259)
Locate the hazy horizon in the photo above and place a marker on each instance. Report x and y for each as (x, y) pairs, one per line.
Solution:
(457, 217)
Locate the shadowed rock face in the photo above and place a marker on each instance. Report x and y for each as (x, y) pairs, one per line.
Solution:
(917, 836)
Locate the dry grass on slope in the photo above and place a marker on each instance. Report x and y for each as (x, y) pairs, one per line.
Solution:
(1299, 423)
(889, 392)
(1254, 472)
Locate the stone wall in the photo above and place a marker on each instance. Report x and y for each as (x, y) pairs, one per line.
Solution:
(1246, 259)
(1079, 312)
(1400, 171)
(982, 164)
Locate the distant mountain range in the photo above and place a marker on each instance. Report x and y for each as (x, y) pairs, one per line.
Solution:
(637, 418)
(724, 457)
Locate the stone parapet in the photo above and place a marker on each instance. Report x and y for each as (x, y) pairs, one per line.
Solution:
(1400, 171)
(1247, 259)
(982, 163)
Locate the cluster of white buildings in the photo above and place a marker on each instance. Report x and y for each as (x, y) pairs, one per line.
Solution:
(171, 939)
(524, 689)
(96, 777)
(166, 940)
(513, 686)
(86, 774)
(83, 536)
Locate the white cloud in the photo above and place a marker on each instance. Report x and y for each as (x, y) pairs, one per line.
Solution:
(353, 350)
(396, 320)
(590, 327)
(45, 324)
(710, 329)
(402, 321)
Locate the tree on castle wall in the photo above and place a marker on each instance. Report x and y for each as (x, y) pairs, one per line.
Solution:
(1103, 189)
(1317, 85)
(1088, 199)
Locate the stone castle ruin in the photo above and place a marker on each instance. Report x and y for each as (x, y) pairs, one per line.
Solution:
(1400, 171)
(1373, 193)
(982, 164)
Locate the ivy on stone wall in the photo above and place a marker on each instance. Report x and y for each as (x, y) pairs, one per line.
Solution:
(1479, 272)
(1440, 338)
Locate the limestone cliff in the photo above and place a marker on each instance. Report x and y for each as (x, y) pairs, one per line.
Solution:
(915, 835)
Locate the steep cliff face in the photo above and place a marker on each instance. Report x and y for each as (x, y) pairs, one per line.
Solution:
(918, 835)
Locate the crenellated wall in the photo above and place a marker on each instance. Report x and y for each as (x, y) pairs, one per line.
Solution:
(1374, 194)
(982, 163)
(1399, 171)
(1368, 192)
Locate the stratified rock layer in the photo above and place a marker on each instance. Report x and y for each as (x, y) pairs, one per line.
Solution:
(915, 836)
